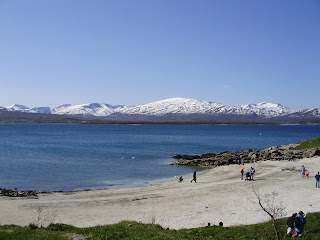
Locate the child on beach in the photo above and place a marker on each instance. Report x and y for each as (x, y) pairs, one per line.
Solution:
(248, 176)
(307, 175)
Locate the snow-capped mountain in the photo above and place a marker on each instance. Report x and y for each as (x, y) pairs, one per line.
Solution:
(266, 109)
(18, 107)
(91, 109)
(173, 106)
(180, 107)
(191, 106)
(306, 113)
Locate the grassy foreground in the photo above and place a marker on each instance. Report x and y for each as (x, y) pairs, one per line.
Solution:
(134, 230)
(309, 144)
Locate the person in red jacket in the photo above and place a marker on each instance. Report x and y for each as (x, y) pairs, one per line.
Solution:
(241, 171)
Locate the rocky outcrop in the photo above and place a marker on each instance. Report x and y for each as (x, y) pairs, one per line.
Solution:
(286, 152)
(15, 193)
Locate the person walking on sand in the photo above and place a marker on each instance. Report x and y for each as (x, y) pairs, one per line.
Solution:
(303, 171)
(317, 176)
(194, 176)
(241, 171)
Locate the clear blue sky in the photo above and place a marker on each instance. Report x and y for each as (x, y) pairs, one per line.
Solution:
(134, 52)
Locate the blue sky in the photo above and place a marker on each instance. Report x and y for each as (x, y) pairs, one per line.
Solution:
(134, 52)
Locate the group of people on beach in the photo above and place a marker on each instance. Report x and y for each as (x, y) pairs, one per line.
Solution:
(305, 174)
(296, 224)
(249, 174)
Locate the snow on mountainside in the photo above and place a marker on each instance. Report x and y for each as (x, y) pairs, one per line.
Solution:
(191, 106)
(91, 109)
(267, 109)
(309, 113)
(171, 106)
(17, 107)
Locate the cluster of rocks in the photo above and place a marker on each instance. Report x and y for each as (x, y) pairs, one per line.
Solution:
(286, 152)
(16, 193)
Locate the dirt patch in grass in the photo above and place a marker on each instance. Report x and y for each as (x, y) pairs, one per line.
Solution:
(75, 236)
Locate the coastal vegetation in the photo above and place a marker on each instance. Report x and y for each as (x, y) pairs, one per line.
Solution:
(134, 230)
(312, 143)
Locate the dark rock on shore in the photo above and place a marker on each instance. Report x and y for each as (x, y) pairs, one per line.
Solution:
(285, 152)
(15, 193)
(187, 157)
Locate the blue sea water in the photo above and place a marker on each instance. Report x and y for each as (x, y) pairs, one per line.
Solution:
(68, 157)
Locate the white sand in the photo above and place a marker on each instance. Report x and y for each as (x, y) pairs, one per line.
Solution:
(219, 195)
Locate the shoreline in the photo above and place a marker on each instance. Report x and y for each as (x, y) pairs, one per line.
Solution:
(200, 171)
(218, 196)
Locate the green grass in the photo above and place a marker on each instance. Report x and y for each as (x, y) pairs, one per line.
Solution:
(309, 144)
(137, 231)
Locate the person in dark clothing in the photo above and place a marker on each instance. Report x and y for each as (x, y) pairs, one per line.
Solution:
(317, 177)
(298, 224)
(194, 176)
(248, 176)
(290, 224)
(239, 161)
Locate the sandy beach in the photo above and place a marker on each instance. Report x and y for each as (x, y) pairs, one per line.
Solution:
(218, 196)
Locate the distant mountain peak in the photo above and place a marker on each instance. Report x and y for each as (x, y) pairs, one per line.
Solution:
(17, 107)
(172, 106)
(176, 106)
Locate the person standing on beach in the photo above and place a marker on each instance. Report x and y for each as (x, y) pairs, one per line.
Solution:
(252, 171)
(239, 161)
(303, 171)
(241, 171)
(317, 176)
(194, 176)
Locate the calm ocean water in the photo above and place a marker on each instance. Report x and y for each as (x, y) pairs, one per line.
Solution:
(67, 157)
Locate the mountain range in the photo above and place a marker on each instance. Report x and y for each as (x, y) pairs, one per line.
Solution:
(177, 109)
